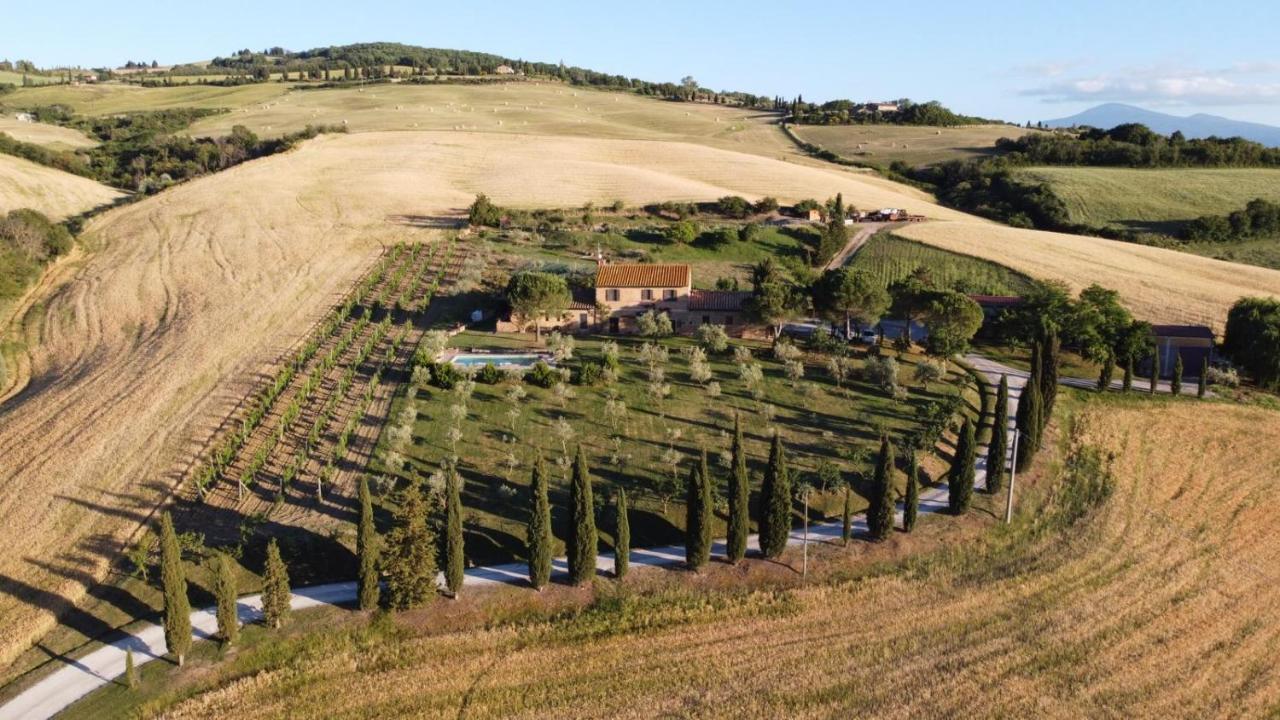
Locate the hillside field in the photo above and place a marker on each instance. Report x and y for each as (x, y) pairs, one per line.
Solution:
(1138, 588)
(50, 136)
(881, 145)
(136, 355)
(1150, 199)
(186, 299)
(58, 194)
(1158, 285)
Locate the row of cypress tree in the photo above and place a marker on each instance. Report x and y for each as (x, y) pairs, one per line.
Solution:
(276, 595)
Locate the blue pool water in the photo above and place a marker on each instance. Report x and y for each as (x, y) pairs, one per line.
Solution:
(480, 360)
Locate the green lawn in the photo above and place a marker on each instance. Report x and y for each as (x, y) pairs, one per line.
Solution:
(881, 145)
(890, 258)
(1154, 200)
(819, 423)
(639, 240)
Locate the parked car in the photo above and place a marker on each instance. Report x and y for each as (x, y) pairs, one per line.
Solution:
(868, 336)
(804, 329)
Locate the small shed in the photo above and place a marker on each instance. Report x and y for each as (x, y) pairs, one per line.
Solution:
(1193, 343)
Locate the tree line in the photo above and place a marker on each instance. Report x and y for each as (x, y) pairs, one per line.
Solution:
(849, 112)
(144, 152)
(1134, 145)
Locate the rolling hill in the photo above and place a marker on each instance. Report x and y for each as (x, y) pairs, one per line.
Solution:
(1128, 596)
(58, 194)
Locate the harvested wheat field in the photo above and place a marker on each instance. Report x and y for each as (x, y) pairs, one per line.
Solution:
(50, 136)
(189, 296)
(912, 144)
(58, 194)
(527, 108)
(1158, 602)
(1162, 286)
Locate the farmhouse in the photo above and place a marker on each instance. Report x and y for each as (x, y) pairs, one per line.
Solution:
(504, 70)
(625, 291)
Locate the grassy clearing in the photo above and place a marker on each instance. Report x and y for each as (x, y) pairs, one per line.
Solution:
(638, 239)
(1154, 200)
(649, 451)
(50, 136)
(1079, 609)
(1263, 253)
(890, 258)
(884, 144)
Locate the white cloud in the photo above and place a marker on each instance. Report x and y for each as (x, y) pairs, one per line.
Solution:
(1170, 86)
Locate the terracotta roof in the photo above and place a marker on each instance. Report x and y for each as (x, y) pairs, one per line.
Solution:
(717, 299)
(582, 299)
(1182, 331)
(642, 276)
(993, 300)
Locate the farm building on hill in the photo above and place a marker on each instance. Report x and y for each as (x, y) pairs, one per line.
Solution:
(1194, 343)
(625, 291)
(504, 70)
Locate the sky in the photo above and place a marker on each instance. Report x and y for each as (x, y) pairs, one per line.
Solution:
(1016, 61)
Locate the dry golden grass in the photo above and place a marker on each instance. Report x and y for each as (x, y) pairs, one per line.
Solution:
(55, 193)
(110, 98)
(1162, 286)
(914, 145)
(51, 136)
(1161, 604)
(135, 354)
(525, 108)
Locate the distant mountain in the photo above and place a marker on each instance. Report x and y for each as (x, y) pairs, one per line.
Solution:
(1109, 115)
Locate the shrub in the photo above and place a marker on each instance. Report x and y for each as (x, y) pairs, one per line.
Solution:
(590, 373)
(750, 232)
(883, 373)
(445, 375)
(543, 375)
(490, 374)
(683, 232)
(766, 205)
(724, 236)
(734, 206)
(712, 338)
(654, 324)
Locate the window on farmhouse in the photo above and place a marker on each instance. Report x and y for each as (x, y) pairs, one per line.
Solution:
(668, 294)
(611, 295)
(646, 294)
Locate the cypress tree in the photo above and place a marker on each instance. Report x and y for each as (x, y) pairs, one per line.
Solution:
(846, 528)
(130, 670)
(1029, 414)
(275, 588)
(1176, 385)
(454, 557)
(1203, 386)
(697, 535)
(960, 480)
(173, 578)
(1049, 362)
(1155, 369)
(225, 593)
(775, 502)
(409, 559)
(880, 513)
(622, 537)
(367, 550)
(739, 497)
(582, 524)
(1108, 372)
(998, 449)
(911, 504)
(1128, 374)
(538, 536)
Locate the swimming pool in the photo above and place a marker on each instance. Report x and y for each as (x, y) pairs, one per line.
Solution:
(522, 360)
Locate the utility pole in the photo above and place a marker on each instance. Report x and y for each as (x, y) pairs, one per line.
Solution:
(1013, 475)
(804, 571)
